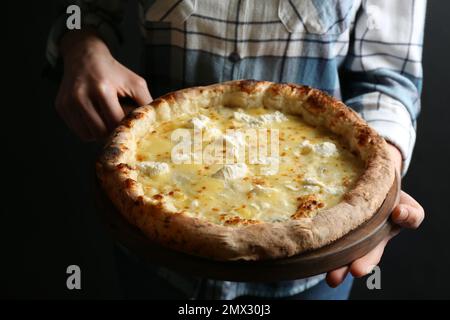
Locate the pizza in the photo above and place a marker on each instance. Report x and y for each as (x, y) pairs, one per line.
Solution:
(245, 169)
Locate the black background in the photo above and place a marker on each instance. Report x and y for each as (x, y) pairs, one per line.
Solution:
(47, 220)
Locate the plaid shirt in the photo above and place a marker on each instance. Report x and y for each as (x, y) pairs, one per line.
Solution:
(365, 52)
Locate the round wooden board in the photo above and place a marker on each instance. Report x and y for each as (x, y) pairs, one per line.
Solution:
(339, 253)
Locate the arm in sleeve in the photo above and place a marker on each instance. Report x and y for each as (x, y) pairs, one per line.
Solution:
(382, 74)
(104, 16)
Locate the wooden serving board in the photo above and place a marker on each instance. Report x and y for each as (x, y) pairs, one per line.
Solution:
(339, 253)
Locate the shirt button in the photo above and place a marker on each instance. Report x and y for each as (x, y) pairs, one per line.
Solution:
(234, 57)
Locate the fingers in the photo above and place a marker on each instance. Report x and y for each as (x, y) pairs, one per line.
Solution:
(84, 116)
(69, 112)
(336, 277)
(359, 267)
(108, 105)
(365, 264)
(409, 213)
(75, 125)
(80, 115)
(139, 91)
(91, 117)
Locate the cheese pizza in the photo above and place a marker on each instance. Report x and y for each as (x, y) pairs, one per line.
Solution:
(246, 170)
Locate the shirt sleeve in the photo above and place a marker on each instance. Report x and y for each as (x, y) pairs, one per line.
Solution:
(382, 74)
(104, 16)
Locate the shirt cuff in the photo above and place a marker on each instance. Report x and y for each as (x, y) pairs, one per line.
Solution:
(393, 122)
(105, 30)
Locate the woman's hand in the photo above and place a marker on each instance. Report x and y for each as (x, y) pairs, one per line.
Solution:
(93, 81)
(407, 214)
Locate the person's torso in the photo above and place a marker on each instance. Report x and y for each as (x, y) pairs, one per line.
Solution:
(199, 42)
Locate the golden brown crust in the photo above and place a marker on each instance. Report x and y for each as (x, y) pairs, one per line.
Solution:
(248, 241)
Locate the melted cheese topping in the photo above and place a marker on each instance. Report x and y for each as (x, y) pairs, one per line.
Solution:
(312, 171)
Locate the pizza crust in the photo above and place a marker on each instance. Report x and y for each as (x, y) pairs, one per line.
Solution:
(254, 241)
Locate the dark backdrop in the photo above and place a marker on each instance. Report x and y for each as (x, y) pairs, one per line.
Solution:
(47, 222)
